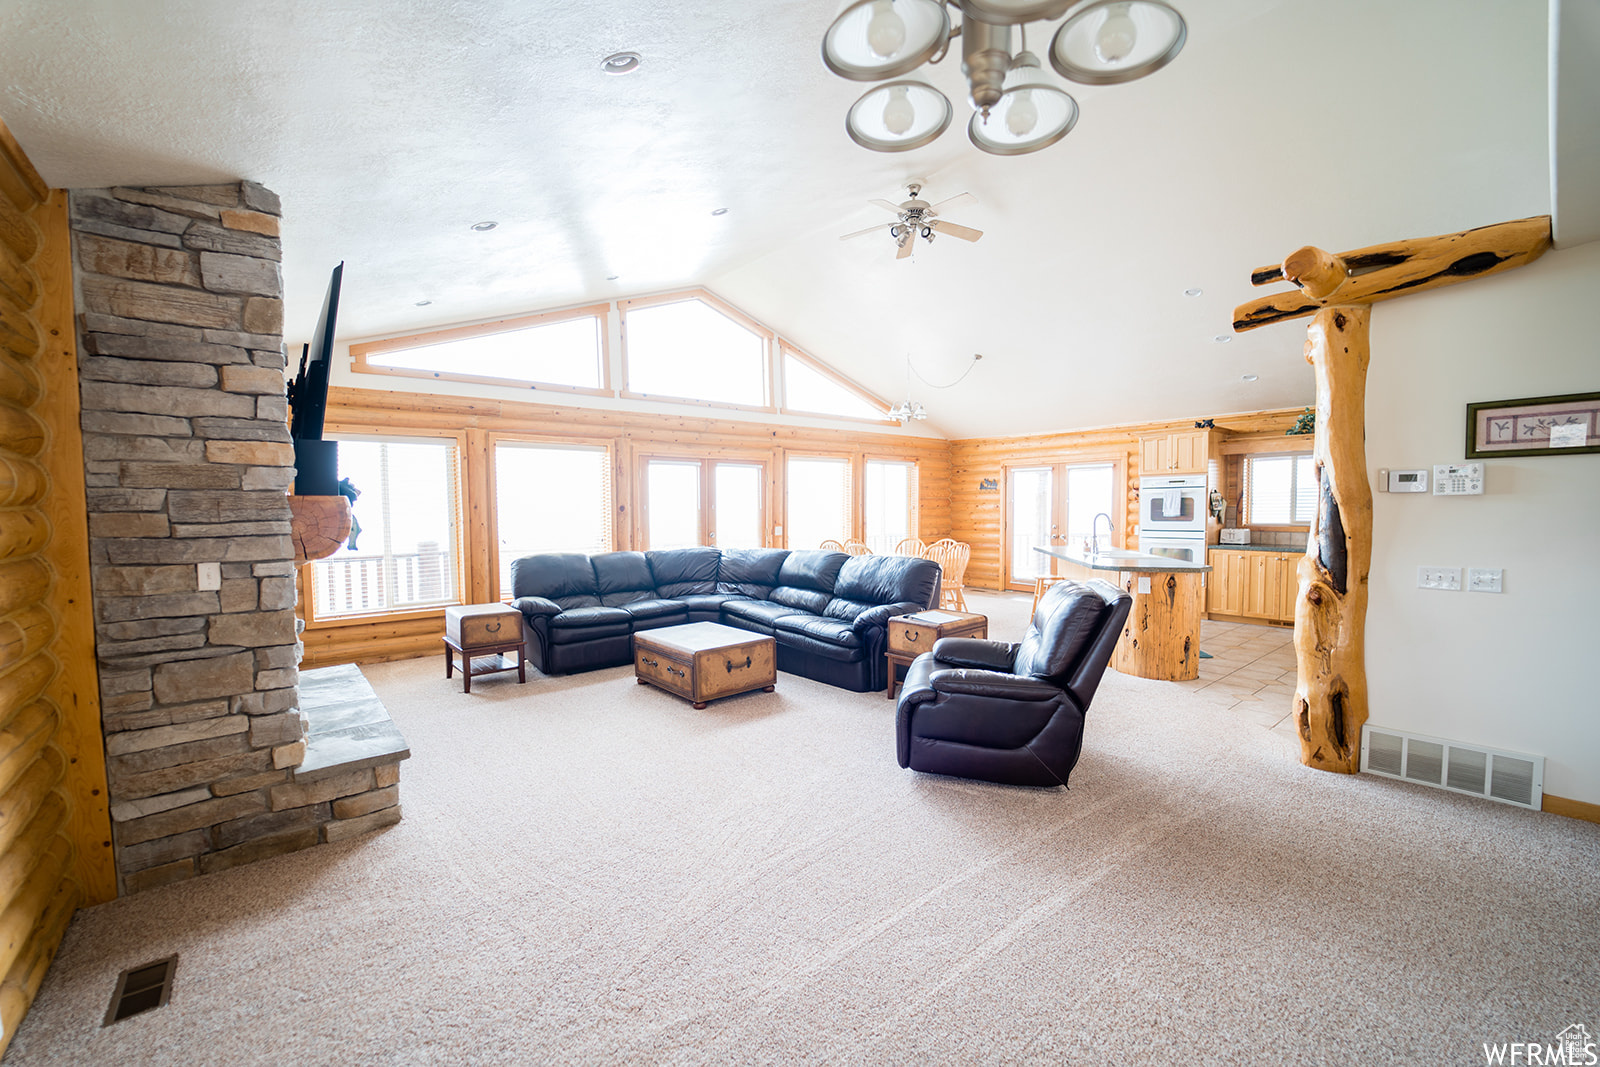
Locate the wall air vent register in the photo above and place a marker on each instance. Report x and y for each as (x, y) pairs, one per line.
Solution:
(1508, 777)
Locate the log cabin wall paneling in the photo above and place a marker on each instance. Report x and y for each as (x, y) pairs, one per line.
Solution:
(55, 835)
(631, 435)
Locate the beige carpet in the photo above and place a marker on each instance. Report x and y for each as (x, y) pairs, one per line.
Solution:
(590, 871)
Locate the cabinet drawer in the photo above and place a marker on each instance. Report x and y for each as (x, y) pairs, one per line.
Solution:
(668, 673)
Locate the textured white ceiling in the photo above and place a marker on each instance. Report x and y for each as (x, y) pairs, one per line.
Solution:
(390, 126)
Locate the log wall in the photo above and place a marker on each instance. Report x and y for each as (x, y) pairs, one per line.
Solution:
(55, 836)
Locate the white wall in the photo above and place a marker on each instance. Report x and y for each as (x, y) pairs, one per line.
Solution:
(1519, 670)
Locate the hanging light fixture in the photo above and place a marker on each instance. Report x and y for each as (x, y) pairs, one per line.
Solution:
(908, 410)
(1100, 42)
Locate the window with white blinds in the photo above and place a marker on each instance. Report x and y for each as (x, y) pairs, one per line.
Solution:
(890, 514)
(1280, 490)
(402, 550)
(819, 501)
(550, 498)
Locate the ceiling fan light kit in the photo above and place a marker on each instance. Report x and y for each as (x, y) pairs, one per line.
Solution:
(915, 217)
(1017, 110)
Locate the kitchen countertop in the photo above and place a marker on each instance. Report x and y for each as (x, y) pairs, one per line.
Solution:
(1291, 550)
(1121, 559)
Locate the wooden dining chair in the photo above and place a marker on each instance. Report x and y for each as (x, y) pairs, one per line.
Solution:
(832, 546)
(857, 548)
(910, 546)
(1040, 585)
(952, 557)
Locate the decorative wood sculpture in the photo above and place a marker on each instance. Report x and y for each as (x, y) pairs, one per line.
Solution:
(320, 524)
(1330, 701)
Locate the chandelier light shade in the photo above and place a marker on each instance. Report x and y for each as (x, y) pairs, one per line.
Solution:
(1031, 113)
(1101, 42)
(1108, 42)
(876, 39)
(898, 116)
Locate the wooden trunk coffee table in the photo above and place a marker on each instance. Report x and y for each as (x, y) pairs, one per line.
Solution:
(702, 661)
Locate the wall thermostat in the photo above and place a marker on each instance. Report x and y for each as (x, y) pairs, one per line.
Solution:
(1462, 479)
(1403, 481)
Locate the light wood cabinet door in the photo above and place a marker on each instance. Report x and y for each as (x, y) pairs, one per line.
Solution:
(1225, 584)
(1287, 586)
(1155, 455)
(1175, 453)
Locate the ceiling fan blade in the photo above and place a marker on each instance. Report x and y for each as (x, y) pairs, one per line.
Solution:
(862, 233)
(966, 233)
(905, 248)
(959, 198)
(893, 209)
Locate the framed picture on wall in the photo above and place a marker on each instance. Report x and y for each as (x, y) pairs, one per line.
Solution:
(1534, 426)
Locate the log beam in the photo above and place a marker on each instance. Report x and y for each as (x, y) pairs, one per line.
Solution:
(1330, 700)
(1383, 272)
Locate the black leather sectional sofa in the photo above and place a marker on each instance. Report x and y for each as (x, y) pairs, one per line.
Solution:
(826, 611)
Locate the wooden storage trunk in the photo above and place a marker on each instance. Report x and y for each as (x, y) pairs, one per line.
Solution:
(913, 635)
(471, 626)
(702, 661)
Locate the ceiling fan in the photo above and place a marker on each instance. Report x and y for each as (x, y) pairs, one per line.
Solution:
(918, 218)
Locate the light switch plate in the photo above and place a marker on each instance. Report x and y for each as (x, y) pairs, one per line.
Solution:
(208, 576)
(1483, 579)
(1438, 577)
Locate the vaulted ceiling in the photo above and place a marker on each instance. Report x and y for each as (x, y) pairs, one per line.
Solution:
(389, 127)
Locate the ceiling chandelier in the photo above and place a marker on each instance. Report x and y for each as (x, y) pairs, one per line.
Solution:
(1016, 109)
(909, 410)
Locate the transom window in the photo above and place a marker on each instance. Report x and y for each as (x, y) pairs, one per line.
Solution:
(561, 349)
(691, 350)
(1280, 490)
(806, 387)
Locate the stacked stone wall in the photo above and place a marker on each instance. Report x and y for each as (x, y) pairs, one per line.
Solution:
(188, 460)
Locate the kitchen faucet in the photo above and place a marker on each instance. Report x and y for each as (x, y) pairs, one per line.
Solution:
(1094, 531)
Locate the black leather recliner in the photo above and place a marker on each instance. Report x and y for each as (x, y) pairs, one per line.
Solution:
(1012, 713)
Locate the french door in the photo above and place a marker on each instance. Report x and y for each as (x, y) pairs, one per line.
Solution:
(703, 502)
(1053, 506)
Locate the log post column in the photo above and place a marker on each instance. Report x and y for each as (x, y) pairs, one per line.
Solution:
(1330, 700)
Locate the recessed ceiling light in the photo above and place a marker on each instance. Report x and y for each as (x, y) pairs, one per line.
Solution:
(484, 227)
(423, 303)
(1248, 378)
(620, 63)
(1222, 338)
(719, 211)
(1193, 292)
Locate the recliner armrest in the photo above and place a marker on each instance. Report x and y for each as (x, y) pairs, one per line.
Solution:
(536, 605)
(993, 684)
(975, 652)
(880, 615)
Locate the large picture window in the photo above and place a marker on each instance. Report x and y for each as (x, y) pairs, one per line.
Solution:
(810, 387)
(1280, 490)
(689, 349)
(404, 553)
(550, 498)
(818, 501)
(558, 349)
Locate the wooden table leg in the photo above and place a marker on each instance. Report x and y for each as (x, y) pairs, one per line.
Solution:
(449, 662)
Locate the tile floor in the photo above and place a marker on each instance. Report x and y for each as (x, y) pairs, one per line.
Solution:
(1251, 672)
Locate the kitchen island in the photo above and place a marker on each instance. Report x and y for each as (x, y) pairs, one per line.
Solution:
(1161, 639)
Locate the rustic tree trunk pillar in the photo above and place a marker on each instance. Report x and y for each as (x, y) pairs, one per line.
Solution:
(1330, 700)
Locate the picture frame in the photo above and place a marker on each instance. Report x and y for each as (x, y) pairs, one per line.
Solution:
(1524, 427)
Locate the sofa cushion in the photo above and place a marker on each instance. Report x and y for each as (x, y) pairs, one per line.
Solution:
(794, 632)
(806, 579)
(622, 578)
(566, 578)
(580, 624)
(707, 602)
(751, 572)
(758, 614)
(867, 581)
(655, 609)
(834, 631)
(680, 572)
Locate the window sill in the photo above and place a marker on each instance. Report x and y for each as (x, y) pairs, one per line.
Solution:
(402, 615)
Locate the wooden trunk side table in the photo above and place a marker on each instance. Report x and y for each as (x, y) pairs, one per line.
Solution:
(481, 630)
(912, 635)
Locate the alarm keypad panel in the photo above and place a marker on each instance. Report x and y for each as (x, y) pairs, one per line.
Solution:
(1460, 479)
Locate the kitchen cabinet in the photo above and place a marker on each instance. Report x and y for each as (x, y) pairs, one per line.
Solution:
(1183, 452)
(1253, 584)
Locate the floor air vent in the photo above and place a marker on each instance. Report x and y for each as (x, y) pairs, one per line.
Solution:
(140, 989)
(1509, 777)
